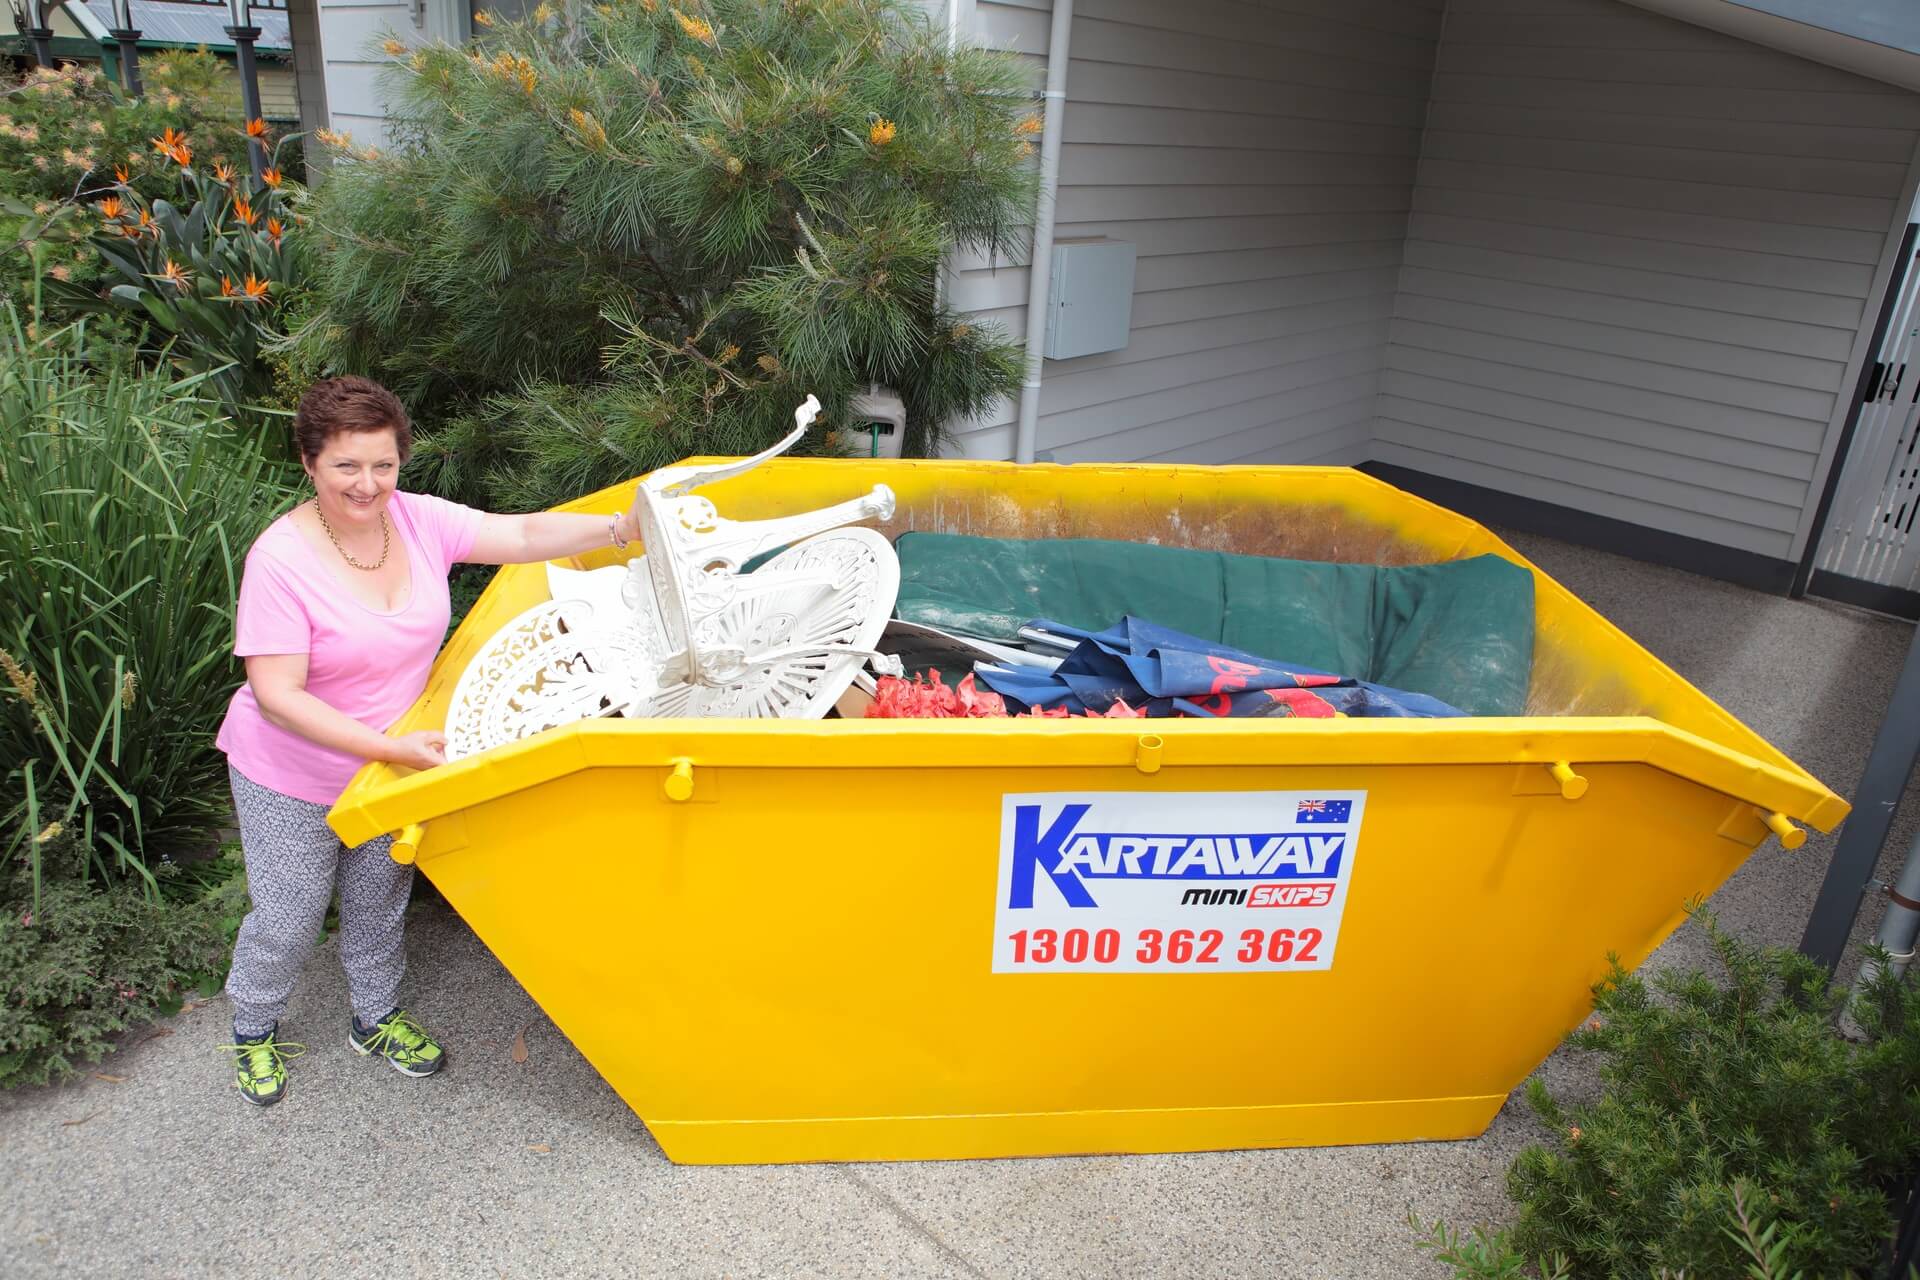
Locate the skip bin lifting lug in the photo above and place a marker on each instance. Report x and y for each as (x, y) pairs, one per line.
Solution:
(679, 783)
(1572, 785)
(406, 843)
(1791, 837)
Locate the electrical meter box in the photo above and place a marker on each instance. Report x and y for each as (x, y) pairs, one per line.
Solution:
(1090, 297)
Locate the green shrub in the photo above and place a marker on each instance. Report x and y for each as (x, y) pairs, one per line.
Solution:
(618, 234)
(82, 965)
(127, 504)
(62, 135)
(1736, 1132)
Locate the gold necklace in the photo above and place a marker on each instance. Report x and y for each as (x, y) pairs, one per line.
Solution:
(386, 541)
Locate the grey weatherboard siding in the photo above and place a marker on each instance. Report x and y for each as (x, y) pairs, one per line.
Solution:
(1639, 255)
(1262, 158)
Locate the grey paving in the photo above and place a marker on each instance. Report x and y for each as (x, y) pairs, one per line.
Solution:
(535, 1168)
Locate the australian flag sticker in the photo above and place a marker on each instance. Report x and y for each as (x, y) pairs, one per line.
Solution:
(1327, 811)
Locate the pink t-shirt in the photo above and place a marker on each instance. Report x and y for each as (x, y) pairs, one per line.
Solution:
(369, 664)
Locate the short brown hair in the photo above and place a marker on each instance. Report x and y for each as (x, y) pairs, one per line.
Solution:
(349, 403)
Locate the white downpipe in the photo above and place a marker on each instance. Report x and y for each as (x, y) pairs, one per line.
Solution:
(1040, 266)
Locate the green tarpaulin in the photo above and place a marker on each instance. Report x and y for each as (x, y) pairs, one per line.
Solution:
(1461, 631)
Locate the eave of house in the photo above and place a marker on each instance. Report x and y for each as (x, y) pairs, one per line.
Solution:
(1879, 39)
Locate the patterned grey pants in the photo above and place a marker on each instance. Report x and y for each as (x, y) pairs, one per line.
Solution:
(293, 859)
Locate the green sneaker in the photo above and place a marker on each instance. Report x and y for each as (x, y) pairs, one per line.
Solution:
(260, 1066)
(401, 1041)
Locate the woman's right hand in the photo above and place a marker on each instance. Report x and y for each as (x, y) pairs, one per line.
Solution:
(421, 749)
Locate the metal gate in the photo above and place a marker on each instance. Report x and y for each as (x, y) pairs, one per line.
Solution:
(1870, 550)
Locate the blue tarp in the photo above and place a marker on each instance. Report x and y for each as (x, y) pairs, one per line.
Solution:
(1170, 673)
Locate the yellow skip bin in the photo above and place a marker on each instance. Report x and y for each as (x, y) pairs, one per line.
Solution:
(864, 940)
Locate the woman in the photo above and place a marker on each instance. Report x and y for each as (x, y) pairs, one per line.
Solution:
(342, 609)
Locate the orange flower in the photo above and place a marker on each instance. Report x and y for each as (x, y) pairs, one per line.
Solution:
(181, 154)
(167, 141)
(881, 132)
(120, 174)
(226, 287)
(256, 128)
(244, 211)
(222, 172)
(110, 208)
(130, 231)
(481, 18)
(256, 288)
(146, 224)
(273, 178)
(275, 231)
(173, 275)
(393, 48)
(1029, 126)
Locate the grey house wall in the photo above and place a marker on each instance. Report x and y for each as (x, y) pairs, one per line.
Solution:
(1261, 157)
(1639, 259)
(350, 30)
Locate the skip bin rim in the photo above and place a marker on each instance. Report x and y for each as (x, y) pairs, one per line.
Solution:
(383, 798)
(374, 806)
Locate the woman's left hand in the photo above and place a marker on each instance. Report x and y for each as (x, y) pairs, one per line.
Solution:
(422, 749)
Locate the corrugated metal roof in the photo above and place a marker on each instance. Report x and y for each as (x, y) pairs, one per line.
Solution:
(190, 23)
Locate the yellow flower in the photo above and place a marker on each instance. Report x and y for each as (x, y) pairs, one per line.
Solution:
(1573, 1134)
(604, 10)
(24, 683)
(542, 12)
(734, 166)
(591, 130)
(1029, 127)
(128, 685)
(418, 62)
(698, 67)
(53, 829)
(1025, 150)
(698, 28)
(728, 352)
(481, 18)
(881, 132)
(651, 6)
(392, 48)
